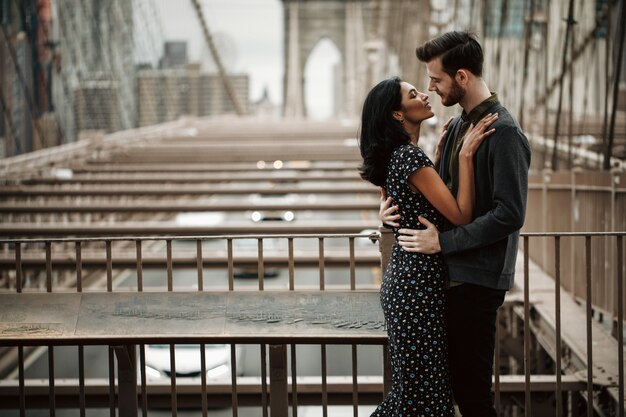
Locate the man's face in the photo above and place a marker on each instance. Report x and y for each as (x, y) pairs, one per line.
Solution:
(450, 91)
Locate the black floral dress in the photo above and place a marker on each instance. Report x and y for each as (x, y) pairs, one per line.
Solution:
(412, 296)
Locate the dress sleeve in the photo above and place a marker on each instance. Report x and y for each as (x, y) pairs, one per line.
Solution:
(414, 159)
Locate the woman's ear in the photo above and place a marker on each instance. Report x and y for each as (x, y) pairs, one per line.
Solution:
(398, 116)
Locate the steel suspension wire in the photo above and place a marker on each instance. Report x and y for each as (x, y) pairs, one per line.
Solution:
(616, 80)
(214, 53)
(90, 15)
(568, 34)
(529, 28)
(25, 88)
(588, 39)
(607, 75)
(9, 119)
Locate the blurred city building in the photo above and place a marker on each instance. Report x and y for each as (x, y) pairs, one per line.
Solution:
(167, 94)
(93, 88)
(174, 55)
(265, 107)
(70, 66)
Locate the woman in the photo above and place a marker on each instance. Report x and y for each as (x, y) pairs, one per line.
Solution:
(413, 288)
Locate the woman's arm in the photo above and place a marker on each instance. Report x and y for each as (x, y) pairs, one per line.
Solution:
(426, 180)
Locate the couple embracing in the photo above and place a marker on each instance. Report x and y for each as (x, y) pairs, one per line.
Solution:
(456, 221)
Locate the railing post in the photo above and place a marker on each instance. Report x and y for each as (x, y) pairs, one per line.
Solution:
(387, 377)
(574, 226)
(127, 374)
(385, 245)
(279, 401)
(545, 207)
(610, 289)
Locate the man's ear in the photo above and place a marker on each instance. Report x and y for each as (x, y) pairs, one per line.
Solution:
(462, 77)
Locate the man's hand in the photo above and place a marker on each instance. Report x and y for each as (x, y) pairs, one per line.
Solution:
(386, 212)
(441, 144)
(421, 241)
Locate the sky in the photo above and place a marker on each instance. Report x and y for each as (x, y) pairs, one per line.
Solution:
(251, 35)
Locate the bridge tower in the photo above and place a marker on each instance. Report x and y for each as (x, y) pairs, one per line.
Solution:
(375, 39)
(343, 22)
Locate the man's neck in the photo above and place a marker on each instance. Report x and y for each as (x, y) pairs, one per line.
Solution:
(476, 94)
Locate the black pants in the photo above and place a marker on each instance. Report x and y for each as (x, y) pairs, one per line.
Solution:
(471, 321)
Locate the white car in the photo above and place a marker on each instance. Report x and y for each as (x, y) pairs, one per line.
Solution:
(188, 363)
(282, 214)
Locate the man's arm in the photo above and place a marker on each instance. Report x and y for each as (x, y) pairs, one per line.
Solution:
(510, 169)
(422, 241)
(387, 213)
(511, 160)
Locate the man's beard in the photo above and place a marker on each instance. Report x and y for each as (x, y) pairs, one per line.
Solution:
(456, 94)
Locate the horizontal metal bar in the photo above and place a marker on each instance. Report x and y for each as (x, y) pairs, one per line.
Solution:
(249, 390)
(277, 176)
(571, 234)
(576, 187)
(373, 236)
(66, 260)
(186, 206)
(27, 191)
(100, 166)
(169, 228)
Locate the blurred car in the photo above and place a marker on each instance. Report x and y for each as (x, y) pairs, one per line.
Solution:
(280, 213)
(188, 361)
(250, 247)
(275, 214)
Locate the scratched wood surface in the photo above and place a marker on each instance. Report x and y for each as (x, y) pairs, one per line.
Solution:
(178, 317)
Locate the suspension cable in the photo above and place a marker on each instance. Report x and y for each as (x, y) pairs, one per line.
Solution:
(220, 67)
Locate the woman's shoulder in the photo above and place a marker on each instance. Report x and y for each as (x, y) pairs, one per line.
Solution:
(413, 152)
(410, 158)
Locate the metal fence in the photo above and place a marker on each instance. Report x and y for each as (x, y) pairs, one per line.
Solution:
(582, 202)
(579, 370)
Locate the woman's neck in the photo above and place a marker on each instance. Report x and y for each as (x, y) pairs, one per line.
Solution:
(413, 131)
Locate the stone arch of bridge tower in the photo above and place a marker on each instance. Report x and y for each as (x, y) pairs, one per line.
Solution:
(323, 43)
(307, 22)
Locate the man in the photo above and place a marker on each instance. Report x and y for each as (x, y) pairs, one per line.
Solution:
(481, 255)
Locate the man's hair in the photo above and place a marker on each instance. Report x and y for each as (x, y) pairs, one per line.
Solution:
(457, 50)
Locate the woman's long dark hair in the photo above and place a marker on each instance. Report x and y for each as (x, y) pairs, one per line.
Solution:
(380, 132)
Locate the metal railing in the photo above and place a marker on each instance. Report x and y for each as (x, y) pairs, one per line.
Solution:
(555, 358)
(253, 390)
(578, 201)
(595, 375)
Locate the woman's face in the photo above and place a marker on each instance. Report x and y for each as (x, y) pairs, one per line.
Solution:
(415, 106)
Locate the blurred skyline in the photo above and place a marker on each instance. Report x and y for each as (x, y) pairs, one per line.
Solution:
(249, 34)
(257, 48)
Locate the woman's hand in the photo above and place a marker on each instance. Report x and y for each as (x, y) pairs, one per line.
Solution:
(476, 134)
(386, 212)
(441, 143)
